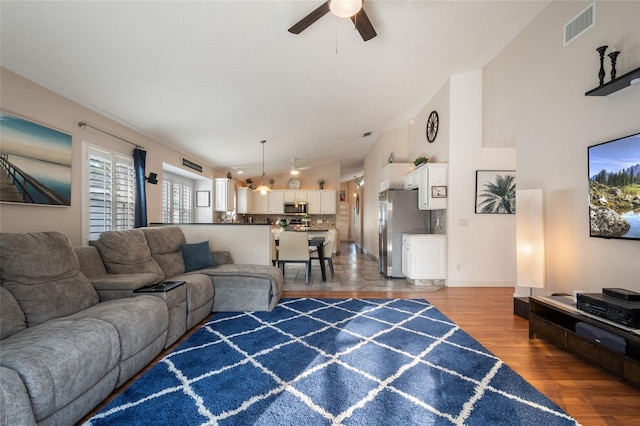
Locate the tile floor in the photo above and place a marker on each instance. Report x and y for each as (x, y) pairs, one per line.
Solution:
(354, 271)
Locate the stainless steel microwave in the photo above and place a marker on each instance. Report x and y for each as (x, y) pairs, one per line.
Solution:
(295, 208)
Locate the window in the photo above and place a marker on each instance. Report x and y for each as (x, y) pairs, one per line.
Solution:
(177, 199)
(111, 191)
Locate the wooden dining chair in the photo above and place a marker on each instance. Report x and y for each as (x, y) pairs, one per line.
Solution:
(293, 247)
(327, 250)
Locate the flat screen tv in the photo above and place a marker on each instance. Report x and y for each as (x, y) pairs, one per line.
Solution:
(614, 188)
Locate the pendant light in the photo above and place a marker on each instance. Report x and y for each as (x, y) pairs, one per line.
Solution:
(263, 188)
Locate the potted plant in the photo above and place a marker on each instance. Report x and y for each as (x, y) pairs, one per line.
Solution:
(321, 183)
(420, 161)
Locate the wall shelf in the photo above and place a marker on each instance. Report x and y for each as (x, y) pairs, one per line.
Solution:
(614, 85)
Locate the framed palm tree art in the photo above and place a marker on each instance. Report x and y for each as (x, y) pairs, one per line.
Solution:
(495, 192)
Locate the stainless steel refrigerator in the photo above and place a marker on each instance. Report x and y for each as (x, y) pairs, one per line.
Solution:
(398, 213)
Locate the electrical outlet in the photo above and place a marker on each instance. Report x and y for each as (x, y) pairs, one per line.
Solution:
(458, 267)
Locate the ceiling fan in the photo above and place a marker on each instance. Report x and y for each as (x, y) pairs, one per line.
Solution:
(342, 8)
(295, 170)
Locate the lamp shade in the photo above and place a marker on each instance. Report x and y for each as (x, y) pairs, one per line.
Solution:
(530, 238)
(263, 189)
(345, 8)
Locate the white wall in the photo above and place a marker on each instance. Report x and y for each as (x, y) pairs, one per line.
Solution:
(418, 146)
(481, 247)
(390, 141)
(29, 100)
(534, 97)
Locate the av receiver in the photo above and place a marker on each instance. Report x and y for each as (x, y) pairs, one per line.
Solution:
(614, 309)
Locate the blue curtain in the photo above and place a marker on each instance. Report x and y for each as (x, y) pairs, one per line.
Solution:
(139, 160)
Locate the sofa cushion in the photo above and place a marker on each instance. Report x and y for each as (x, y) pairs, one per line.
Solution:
(91, 264)
(199, 296)
(61, 360)
(126, 252)
(11, 316)
(41, 271)
(196, 256)
(164, 243)
(139, 321)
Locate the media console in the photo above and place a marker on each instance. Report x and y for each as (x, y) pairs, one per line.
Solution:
(554, 319)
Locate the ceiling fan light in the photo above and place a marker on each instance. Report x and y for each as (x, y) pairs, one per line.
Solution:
(295, 171)
(345, 8)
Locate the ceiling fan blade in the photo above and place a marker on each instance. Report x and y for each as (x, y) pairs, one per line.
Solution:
(318, 13)
(363, 25)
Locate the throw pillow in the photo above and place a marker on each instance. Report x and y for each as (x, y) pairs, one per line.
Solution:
(196, 256)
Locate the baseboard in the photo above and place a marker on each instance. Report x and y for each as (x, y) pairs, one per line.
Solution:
(465, 283)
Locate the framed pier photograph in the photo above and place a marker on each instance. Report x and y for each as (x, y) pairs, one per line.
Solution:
(35, 163)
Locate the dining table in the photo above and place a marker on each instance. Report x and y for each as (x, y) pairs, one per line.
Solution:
(318, 243)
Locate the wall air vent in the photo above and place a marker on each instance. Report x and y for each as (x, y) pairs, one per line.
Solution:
(581, 23)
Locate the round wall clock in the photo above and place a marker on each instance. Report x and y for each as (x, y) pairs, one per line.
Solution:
(293, 183)
(432, 126)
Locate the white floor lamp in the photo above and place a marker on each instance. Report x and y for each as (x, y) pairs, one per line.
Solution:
(530, 239)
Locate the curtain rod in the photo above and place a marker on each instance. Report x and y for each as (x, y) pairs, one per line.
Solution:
(85, 125)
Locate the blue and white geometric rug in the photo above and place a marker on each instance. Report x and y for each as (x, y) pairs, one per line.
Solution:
(332, 362)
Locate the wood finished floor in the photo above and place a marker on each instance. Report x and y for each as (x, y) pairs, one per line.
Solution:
(591, 395)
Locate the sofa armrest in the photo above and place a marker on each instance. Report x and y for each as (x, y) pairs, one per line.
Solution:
(119, 286)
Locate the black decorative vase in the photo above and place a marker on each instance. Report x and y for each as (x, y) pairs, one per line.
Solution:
(601, 74)
(613, 56)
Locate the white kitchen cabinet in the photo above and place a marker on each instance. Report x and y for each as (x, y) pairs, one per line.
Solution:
(321, 201)
(424, 179)
(433, 175)
(260, 203)
(328, 201)
(271, 202)
(225, 191)
(244, 200)
(392, 175)
(313, 202)
(292, 195)
(412, 179)
(276, 201)
(424, 256)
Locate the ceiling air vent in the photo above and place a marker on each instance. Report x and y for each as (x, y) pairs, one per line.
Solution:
(580, 24)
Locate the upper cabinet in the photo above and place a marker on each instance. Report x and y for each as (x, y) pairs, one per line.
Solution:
(225, 191)
(321, 201)
(244, 200)
(392, 175)
(271, 202)
(318, 201)
(260, 203)
(431, 182)
(291, 195)
(276, 201)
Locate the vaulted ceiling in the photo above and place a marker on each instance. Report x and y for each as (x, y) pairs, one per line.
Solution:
(214, 78)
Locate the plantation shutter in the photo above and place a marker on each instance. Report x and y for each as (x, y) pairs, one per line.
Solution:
(111, 192)
(177, 200)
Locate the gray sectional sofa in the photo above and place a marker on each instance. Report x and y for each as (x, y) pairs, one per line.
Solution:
(59, 303)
